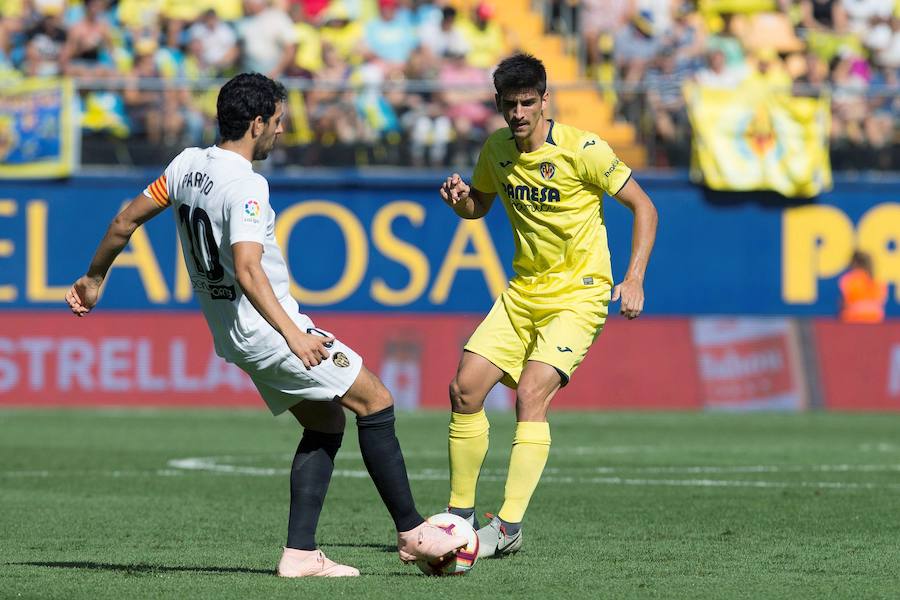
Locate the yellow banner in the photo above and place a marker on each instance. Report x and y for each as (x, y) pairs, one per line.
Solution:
(755, 138)
(37, 129)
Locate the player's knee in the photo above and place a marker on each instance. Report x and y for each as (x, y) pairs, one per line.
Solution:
(378, 398)
(531, 401)
(464, 398)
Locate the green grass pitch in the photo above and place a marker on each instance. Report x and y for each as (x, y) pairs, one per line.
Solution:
(193, 504)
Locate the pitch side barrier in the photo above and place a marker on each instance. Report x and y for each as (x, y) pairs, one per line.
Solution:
(379, 259)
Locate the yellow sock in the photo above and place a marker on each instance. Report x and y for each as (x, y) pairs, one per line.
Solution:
(468, 447)
(531, 445)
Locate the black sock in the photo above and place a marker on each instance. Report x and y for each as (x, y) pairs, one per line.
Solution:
(384, 460)
(510, 528)
(310, 476)
(465, 513)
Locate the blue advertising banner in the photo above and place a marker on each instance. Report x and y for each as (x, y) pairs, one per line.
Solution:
(377, 243)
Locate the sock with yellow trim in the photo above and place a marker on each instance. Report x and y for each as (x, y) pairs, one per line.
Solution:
(468, 445)
(531, 446)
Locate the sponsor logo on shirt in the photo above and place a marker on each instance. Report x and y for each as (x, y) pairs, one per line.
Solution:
(527, 192)
(505, 163)
(589, 143)
(547, 170)
(215, 292)
(612, 167)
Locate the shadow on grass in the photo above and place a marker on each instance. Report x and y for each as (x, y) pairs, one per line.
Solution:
(140, 568)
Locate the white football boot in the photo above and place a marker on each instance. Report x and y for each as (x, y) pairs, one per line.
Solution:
(493, 540)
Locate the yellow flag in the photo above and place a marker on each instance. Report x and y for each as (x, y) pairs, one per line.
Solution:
(757, 138)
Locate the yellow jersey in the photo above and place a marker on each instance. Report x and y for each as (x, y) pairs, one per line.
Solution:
(554, 199)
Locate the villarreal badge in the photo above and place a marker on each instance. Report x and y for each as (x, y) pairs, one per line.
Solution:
(547, 170)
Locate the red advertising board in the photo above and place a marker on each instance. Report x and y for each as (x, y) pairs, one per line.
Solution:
(159, 359)
(859, 365)
(749, 363)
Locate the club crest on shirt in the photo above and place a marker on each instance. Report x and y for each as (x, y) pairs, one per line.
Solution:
(341, 360)
(547, 170)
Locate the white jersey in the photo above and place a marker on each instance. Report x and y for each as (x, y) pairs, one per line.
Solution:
(218, 200)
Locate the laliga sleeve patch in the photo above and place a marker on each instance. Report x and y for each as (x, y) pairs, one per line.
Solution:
(251, 211)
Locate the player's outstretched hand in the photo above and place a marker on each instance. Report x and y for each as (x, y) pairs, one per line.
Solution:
(631, 292)
(83, 295)
(310, 349)
(454, 189)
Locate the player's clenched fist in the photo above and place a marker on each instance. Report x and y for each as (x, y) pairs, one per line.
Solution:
(83, 295)
(454, 189)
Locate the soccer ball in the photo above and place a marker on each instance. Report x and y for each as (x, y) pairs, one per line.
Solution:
(464, 559)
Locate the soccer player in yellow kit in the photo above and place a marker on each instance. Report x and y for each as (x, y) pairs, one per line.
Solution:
(551, 179)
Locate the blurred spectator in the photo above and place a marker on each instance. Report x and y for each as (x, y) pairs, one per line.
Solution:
(138, 15)
(267, 38)
(344, 35)
(467, 100)
(88, 49)
(390, 36)
(425, 13)
(485, 37)
(601, 17)
(216, 44)
(43, 47)
(332, 114)
(308, 59)
(718, 74)
(667, 105)
(823, 14)
(635, 48)
(374, 110)
(862, 297)
(444, 36)
(177, 15)
(153, 113)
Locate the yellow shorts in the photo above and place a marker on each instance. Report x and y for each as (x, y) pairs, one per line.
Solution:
(557, 330)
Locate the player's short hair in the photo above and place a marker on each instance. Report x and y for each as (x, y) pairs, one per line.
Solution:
(242, 99)
(520, 72)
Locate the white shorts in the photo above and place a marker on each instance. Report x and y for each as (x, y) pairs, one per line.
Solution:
(283, 380)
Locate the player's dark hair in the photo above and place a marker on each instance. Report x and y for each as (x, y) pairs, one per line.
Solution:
(242, 99)
(520, 72)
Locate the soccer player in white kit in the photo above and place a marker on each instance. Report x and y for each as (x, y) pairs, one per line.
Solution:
(239, 275)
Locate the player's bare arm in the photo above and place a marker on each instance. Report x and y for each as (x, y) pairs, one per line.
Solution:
(249, 274)
(631, 289)
(466, 201)
(85, 292)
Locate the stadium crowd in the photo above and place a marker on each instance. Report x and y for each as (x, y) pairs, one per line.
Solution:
(848, 49)
(408, 81)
